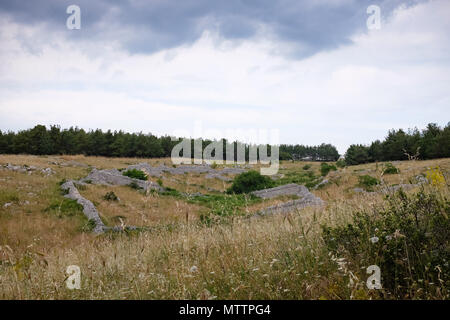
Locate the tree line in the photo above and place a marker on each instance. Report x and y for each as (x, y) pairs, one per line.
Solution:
(430, 143)
(42, 141)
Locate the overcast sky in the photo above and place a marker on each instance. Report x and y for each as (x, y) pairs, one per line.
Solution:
(310, 69)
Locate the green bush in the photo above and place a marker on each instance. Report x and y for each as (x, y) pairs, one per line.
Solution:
(325, 168)
(408, 239)
(367, 182)
(250, 181)
(306, 167)
(135, 174)
(340, 163)
(390, 169)
(110, 196)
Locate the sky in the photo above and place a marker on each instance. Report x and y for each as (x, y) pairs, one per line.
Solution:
(312, 71)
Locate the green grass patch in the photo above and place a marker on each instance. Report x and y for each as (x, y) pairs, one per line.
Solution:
(135, 174)
(65, 208)
(306, 178)
(225, 204)
(8, 196)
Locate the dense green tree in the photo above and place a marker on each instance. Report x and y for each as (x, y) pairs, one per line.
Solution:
(432, 142)
(375, 151)
(356, 154)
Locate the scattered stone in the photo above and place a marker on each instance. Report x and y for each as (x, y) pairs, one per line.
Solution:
(48, 171)
(8, 204)
(28, 169)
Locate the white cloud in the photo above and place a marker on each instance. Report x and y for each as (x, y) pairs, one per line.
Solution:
(395, 77)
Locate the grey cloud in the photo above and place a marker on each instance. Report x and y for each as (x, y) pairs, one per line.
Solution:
(149, 26)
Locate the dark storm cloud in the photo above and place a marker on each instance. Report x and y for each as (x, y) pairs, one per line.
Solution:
(148, 26)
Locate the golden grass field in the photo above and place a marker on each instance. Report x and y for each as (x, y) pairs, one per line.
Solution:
(275, 257)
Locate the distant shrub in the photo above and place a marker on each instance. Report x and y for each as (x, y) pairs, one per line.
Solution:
(306, 167)
(325, 168)
(250, 181)
(340, 163)
(368, 182)
(407, 239)
(135, 174)
(389, 168)
(171, 192)
(214, 165)
(160, 182)
(285, 155)
(134, 185)
(110, 196)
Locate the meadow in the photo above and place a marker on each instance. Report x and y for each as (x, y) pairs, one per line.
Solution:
(213, 247)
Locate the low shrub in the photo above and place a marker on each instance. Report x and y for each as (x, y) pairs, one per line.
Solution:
(110, 196)
(306, 167)
(367, 182)
(250, 181)
(325, 168)
(407, 239)
(340, 163)
(389, 168)
(135, 174)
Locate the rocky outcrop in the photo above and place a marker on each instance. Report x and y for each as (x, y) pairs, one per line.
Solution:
(284, 190)
(183, 169)
(89, 209)
(115, 177)
(306, 199)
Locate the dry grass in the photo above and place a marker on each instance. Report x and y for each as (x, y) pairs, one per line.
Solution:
(278, 257)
